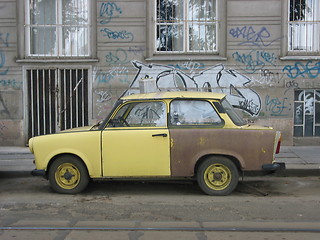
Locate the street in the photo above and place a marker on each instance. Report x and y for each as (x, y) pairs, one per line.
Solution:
(265, 207)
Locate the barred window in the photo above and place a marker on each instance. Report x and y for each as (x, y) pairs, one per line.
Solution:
(57, 28)
(185, 26)
(307, 113)
(304, 26)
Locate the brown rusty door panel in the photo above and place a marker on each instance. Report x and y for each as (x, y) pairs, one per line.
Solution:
(251, 148)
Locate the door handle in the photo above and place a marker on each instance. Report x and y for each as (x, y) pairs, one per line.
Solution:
(160, 135)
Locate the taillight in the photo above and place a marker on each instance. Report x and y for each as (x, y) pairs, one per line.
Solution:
(278, 145)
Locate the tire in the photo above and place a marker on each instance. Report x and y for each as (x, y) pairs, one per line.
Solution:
(67, 174)
(217, 176)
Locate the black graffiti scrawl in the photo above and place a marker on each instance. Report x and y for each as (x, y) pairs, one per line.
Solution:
(213, 79)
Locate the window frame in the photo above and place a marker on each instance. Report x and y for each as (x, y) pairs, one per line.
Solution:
(24, 55)
(303, 124)
(151, 29)
(287, 54)
(128, 107)
(219, 125)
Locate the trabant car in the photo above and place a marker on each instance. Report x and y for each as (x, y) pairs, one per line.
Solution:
(164, 135)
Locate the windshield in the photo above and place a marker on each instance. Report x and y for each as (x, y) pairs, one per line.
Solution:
(238, 120)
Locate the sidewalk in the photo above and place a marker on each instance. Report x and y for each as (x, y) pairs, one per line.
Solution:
(295, 157)
(16, 159)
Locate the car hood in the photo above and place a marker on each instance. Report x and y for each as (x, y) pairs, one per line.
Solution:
(79, 129)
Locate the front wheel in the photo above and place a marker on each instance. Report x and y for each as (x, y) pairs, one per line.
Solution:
(67, 174)
(217, 176)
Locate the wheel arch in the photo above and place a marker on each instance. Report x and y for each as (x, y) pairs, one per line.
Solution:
(66, 154)
(231, 158)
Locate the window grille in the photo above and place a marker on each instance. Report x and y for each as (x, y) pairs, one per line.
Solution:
(304, 26)
(57, 28)
(307, 113)
(57, 100)
(186, 26)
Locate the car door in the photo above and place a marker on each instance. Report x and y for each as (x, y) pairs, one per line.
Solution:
(136, 142)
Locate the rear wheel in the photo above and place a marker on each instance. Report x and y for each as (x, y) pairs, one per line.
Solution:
(67, 174)
(217, 176)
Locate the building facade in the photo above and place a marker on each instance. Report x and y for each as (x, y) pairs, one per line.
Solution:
(63, 63)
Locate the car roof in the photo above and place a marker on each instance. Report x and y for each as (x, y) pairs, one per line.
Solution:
(173, 95)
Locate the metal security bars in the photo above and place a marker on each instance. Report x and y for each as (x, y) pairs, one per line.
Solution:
(307, 113)
(73, 98)
(57, 28)
(57, 100)
(184, 26)
(304, 26)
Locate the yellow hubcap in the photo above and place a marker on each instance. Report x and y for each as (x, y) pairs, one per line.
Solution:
(67, 176)
(217, 176)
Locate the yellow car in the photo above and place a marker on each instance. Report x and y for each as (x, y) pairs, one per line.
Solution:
(160, 135)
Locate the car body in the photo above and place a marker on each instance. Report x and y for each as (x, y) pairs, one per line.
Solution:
(159, 135)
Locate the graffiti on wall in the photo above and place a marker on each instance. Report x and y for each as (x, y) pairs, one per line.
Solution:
(120, 56)
(189, 66)
(254, 60)
(252, 36)
(213, 79)
(276, 106)
(3, 128)
(4, 69)
(109, 11)
(305, 70)
(117, 35)
(4, 39)
(116, 73)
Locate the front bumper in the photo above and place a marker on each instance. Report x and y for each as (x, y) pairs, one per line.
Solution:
(37, 172)
(272, 167)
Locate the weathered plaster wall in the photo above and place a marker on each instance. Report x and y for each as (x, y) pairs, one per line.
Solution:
(11, 103)
(254, 77)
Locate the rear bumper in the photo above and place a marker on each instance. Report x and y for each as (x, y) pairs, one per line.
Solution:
(274, 167)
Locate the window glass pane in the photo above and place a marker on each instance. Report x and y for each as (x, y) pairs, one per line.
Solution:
(188, 112)
(232, 113)
(298, 131)
(308, 130)
(202, 37)
(317, 131)
(201, 10)
(74, 12)
(75, 41)
(299, 95)
(297, 10)
(309, 102)
(169, 10)
(149, 114)
(318, 95)
(170, 38)
(43, 12)
(43, 40)
(317, 112)
(298, 115)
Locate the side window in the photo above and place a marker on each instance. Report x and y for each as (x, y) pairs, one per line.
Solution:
(193, 112)
(141, 114)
